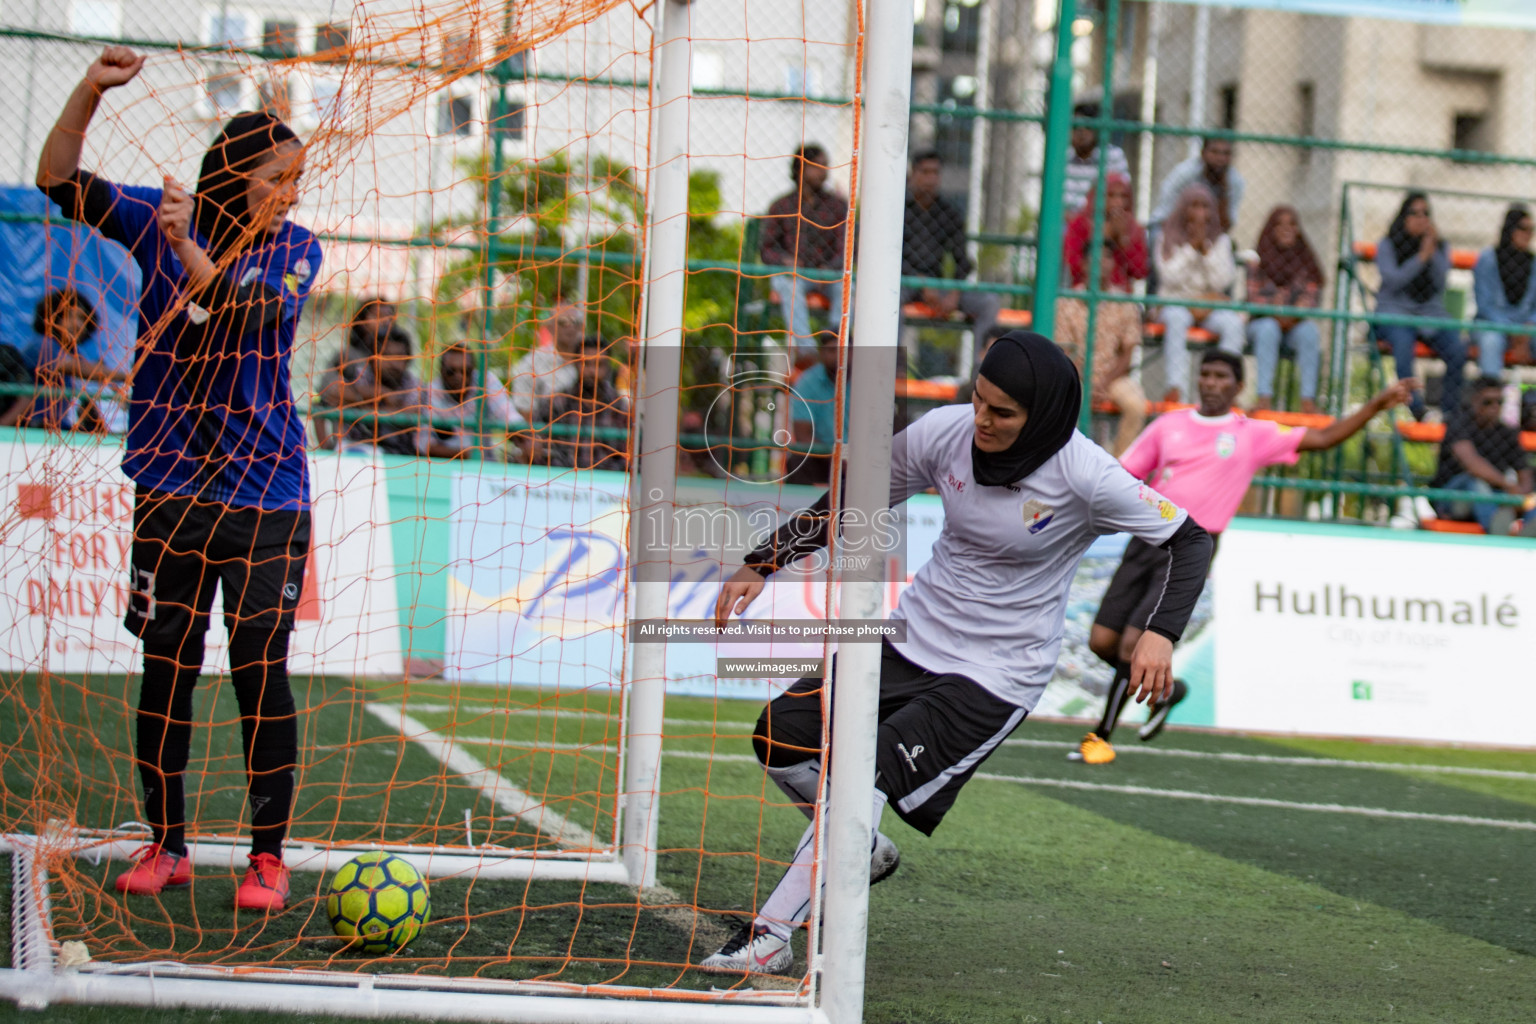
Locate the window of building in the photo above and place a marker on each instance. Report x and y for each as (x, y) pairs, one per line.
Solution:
(228, 29)
(962, 26)
(1126, 34)
(455, 116)
(1306, 117)
(513, 125)
(280, 38)
(330, 37)
(952, 134)
(1472, 132)
(102, 19)
(1229, 106)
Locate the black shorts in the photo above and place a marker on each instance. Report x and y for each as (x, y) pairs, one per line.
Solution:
(935, 731)
(1135, 589)
(1137, 586)
(182, 547)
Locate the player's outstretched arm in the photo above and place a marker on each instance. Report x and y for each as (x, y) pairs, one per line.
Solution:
(802, 533)
(1341, 430)
(1189, 559)
(60, 158)
(737, 594)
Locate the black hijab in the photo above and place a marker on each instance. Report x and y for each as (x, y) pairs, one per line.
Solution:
(1406, 246)
(221, 210)
(1515, 264)
(1032, 370)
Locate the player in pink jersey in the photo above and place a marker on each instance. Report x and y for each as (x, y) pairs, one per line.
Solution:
(1202, 460)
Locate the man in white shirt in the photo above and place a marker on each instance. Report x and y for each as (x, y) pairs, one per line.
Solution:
(454, 403)
(1083, 161)
(549, 370)
(1212, 168)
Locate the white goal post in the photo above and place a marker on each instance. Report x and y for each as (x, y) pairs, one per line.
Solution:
(43, 973)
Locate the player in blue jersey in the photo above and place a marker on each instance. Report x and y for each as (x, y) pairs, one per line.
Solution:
(216, 449)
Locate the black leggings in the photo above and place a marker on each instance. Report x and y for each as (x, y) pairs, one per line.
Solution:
(258, 658)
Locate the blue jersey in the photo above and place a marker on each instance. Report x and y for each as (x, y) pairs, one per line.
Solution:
(212, 413)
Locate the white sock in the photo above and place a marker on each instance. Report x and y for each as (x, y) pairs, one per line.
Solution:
(790, 902)
(800, 782)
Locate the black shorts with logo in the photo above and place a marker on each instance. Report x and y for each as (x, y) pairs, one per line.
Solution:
(935, 731)
(183, 547)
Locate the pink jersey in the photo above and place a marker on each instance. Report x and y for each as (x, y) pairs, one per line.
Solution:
(1205, 463)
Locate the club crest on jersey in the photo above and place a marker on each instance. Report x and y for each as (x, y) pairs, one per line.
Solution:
(1037, 515)
(1226, 444)
(302, 270)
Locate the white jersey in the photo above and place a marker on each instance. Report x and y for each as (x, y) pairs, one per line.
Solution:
(990, 603)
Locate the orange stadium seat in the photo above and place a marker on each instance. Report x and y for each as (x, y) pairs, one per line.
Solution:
(1450, 526)
(1434, 433)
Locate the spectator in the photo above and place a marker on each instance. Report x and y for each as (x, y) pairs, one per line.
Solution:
(1505, 289)
(1213, 169)
(549, 370)
(14, 370)
(1287, 274)
(1195, 261)
(1413, 261)
(71, 359)
(813, 419)
(1117, 325)
(932, 231)
(1480, 455)
(804, 229)
(587, 413)
(456, 402)
(349, 382)
(1083, 162)
(374, 319)
(386, 388)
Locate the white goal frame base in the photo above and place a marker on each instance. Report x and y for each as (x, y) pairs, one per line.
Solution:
(42, 978)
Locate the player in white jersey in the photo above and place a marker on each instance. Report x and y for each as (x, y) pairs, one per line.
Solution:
(1024, 495)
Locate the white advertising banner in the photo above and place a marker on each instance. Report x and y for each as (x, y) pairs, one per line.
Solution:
(1487, 13)
(64, 568)
(1354, 631)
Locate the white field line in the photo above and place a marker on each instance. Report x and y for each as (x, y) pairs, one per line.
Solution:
(1182, 794)
(556, 714)
(1211, 755)
(1306, 762)
(1259, 801)
(506, 796)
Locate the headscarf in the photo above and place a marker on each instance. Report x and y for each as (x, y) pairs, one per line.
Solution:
(1032, 370)
(1175, 228)
(1081, 226)
(222, 216)
(1514, 263)
(1296, 265)
(1404, 246)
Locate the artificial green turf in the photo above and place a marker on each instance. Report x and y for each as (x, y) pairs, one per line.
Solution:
(1029, 903)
